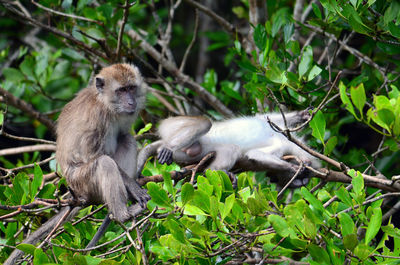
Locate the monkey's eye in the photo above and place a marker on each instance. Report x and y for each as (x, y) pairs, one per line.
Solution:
(131, 87)
(123, 89)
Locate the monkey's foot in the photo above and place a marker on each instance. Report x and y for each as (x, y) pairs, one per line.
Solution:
(120, 216)
(165, 156)
(141, 196)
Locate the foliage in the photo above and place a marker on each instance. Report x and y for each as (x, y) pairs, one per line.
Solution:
(341, 57)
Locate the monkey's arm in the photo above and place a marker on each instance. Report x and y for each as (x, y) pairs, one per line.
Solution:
(179, 133)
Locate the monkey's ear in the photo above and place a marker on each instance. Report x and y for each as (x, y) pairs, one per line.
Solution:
(100, 84)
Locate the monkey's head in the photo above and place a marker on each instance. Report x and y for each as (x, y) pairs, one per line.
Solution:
(121, 88)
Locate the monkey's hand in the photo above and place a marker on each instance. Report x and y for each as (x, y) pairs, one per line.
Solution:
(302, 178)
(165, 156)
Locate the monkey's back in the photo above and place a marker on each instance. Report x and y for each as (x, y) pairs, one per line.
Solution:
(232, 132)
(80, 133)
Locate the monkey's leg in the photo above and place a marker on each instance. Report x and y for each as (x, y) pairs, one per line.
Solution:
(226, 156)
(126, 158)
(109, 182)
(268, 158)
(178, 133)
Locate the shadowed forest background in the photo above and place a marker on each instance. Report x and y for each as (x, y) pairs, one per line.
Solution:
(219, 59)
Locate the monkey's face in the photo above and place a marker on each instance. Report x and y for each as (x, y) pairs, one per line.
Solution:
(125, 98)
(120, 88)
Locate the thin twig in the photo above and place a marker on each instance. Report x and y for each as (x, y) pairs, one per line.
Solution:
(195, 32)
(26, 139)
(121, 29)
(66, 15)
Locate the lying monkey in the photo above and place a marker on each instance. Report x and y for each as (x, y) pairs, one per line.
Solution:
(241, 144)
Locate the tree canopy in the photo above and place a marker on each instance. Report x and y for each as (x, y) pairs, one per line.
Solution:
(219, 59)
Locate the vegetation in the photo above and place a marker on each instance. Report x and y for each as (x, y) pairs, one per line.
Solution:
(220, 59)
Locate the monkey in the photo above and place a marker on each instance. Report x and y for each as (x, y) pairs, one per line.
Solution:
(95, 150)
(241, 144)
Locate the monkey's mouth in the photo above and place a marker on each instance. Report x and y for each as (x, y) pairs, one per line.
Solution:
(128, 112)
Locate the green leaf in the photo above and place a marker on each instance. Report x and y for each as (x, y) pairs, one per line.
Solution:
(1, 117)
(319, 254)
(350, 241)
(83, 3)
(357, 181)
(358, 97)
(391, 12)
(227, 206)
(255, 206)
(344, 196)
(382, 102)
(39, 257)
(279, 19)
(201, 200)
(27, 67)
(187, 192)
(346, 224)
(330, 145)
(314, 202)
(386, 116)
(288, 31)
(146, 128)
(362, 251)
(193, 210)
(374, 225)
(317, 11)
(280, 226)
(260, 36)
(318, 125)
(345, 99)
(168, 182)
(13, 75)
(195, 226)
(27, 248)
(158, 195)
(176, 230)
(315, 71)
(394, 30)
(37, 180)
(305, 61)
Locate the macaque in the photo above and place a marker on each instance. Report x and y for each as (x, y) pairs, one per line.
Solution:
(95, 150)
(241, 144)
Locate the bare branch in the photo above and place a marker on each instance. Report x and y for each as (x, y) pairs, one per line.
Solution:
(27, 149)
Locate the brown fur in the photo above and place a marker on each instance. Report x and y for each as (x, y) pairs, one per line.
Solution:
(95, 150)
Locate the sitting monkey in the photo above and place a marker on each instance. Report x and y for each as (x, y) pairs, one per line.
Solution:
(95, 149)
